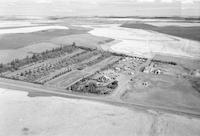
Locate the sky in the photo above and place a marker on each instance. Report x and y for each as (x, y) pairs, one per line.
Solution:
(100, 7)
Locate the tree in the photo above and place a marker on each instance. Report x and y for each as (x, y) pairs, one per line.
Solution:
(92, 88)
(113, 85)
(1, 65)
(74, 87)
(34, 57)
(22, 74)
(14, 64)
(73, 44)
(2, 68)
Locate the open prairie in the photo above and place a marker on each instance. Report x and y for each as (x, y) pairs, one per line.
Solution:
(23, 115)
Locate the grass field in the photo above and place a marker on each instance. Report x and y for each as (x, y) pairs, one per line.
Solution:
(164, 91)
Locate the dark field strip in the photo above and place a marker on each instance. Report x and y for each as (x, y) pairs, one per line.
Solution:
(16, 41)
(13, 27)
(192, 33)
